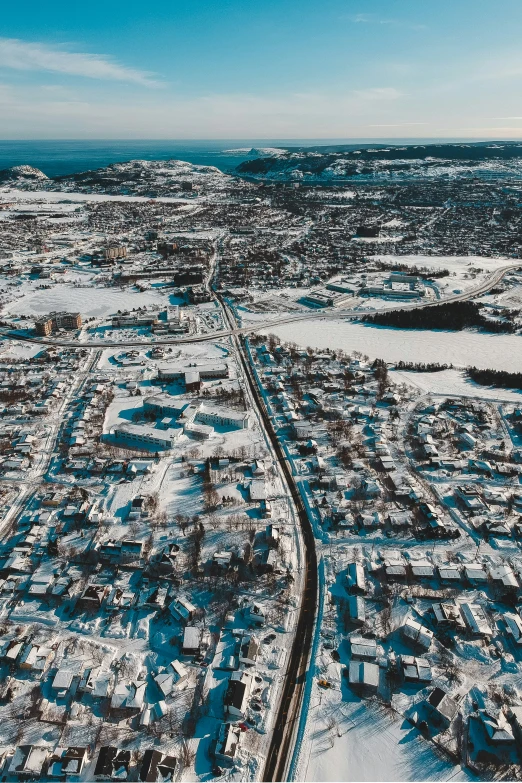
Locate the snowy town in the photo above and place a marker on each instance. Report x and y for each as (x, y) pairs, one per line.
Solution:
(260, 461)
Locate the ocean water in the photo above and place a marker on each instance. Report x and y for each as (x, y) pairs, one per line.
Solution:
(57, 158)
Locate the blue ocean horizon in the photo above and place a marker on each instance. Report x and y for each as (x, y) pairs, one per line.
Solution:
(61, 157)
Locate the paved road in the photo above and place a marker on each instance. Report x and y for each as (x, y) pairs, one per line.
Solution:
(29, 485)
(491, 281)
(288, 713)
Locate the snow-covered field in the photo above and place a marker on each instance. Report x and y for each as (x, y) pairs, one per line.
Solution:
(366, 745)
(89, 301)
(13, 194)
(448, 382)
(495, 351)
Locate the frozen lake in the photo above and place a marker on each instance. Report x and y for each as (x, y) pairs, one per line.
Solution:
(479, 349)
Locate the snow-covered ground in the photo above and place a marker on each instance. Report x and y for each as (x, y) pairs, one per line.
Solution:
(13, 194)
(495, 351)
(450, 382)
(89, 301)
(365, 744)
(465, 271)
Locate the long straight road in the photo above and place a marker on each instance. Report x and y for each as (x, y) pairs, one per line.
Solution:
(291, 698)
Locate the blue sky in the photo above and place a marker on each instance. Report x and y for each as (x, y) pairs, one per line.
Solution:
(241, 69)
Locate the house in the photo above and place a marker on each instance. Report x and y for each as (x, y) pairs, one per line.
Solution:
(302, 430)
(496, 728)
(125, 551)
(36, 658)
(157, 766)
(238, 693)
(64, 678)
(222, 560)
(165, 682)
(449, 574)
(514, 627)
(476, 619)
(357, 609)
(395, 572)
(138, 507)
(265, 509)
(152, 595)
(471, 501)
(181, 609)
(415, 669)
(441, 706)
(119, 599)
(503, 575)
(67, 762)
(97, 682)
(269, 561)
(258, 468)
(369, 520)
(416, 634)
(428, 511)
(394, 566)
(248, 650)
(173, 678)
(180, 672)
(257, 490)
(273, 536)
(399, 520)
(112, 764)
(514, 715)
(370, 488)
(192, 638)
(92, 597)
(448, 614)
(255, 615)
(164, 562)
(475, 573)
(11, 650)
(363, 649)
(60, 588)
(356, 581)
(363, 676)
(128, 698)
(28, 761)
(422, 569)
(227, 743)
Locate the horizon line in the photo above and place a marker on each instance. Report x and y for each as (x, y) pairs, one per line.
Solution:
(325, 140)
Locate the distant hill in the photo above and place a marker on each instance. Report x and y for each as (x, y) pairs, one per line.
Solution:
(136, 177)
(17, 175)
(389, 161)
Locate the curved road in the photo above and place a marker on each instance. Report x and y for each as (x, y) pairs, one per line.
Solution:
(483, 288)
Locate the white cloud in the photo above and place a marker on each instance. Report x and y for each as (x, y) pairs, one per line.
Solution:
(84, 114)
(362, 18)
(25, 56)
(372, 19)
(378, 94)
(295, 115)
